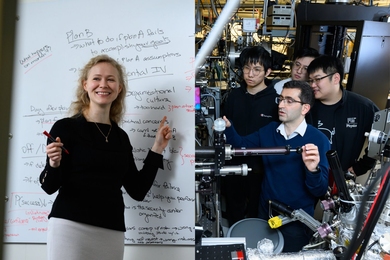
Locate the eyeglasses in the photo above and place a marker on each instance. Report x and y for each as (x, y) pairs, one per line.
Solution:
(317, 80)
(255, 71)
(287, 100)
(298, 66)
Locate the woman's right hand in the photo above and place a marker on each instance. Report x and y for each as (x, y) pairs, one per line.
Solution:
(54, 152)
(163, 135)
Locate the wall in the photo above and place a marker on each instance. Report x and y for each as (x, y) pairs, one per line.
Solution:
(7, 35)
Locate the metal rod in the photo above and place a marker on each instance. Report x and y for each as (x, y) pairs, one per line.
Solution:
(208, 151)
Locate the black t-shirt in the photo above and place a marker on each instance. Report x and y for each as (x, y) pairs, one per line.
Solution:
(326, 121)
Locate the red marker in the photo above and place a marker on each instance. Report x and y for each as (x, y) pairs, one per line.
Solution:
(54, 140)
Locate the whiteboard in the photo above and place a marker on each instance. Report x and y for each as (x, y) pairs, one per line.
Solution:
(154, 40)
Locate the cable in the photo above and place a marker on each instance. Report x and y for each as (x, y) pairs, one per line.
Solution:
(354, 244)
(372, 244)
(314, 245)
(368, 227)
(371, 223)
(379, 192)
(360, 219)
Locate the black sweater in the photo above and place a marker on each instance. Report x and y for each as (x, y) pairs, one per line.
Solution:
(90, 178)
(249, 113)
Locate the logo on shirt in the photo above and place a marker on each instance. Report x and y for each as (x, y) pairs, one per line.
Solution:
(263, 115)
(328, 132)
(351, 122)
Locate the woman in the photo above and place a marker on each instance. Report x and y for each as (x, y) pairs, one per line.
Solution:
(87, 216)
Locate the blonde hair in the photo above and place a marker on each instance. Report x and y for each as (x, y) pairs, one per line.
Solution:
(81, 104)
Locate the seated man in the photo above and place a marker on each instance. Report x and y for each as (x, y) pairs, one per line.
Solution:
(294, 179)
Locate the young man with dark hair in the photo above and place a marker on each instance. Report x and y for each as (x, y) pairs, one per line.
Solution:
(251, 106)
(343, 116)
(303, 57)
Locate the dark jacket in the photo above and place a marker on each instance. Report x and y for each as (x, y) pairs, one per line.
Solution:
(352, 119)
(249, 113)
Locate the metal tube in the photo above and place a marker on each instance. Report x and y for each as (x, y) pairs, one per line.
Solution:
(209, 151)
(303, 255)
(338, 176)
(215, 32)
(264, 151)
(204, 152)
(198, 206)
(226, 170)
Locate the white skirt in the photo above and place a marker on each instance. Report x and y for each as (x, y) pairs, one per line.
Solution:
(69, 240)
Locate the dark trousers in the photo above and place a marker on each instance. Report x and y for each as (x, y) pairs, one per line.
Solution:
(242, 195)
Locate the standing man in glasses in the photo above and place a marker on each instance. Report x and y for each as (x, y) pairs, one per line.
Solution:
(303, 57)
(343, 116)
(296, 180)
(250, 106)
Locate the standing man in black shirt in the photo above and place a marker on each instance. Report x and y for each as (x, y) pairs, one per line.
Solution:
(250, 107)
(342, 115)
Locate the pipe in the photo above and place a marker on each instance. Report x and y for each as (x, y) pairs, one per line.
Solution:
(209, 152)
(338, 176)
(302, 255)
(226, 170)
(265, 151)
(215, 33)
